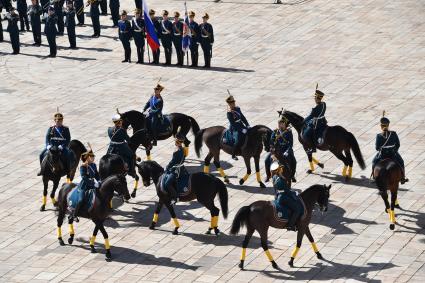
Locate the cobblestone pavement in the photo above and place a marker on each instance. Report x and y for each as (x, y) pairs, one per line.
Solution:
(366, 55)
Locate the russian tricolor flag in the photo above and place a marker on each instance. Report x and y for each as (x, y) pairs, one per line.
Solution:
(186, 31)
(150, 29)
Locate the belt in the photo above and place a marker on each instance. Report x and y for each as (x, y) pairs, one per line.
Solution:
(112, 142)
(137, 30)
(177, 34)
(57, 139)
(123, 31)
(205, 36)
(321, 117)
(388, 146)
(164, 32)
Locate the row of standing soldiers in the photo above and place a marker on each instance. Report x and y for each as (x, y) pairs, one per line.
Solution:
(170, 33)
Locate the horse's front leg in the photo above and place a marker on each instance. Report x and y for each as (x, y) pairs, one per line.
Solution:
(300, 235)
(156, 215)
(71, 231)
(174, 217)
(136, 184)
(61, 216)
(219, 169)
(313, 244)
(248, 170)
(93, 238)
(148, 154)
(53, 193)
(207, 162)
(105, 236)
(392, 214)
(257, 171)
(44, 199)
(186, 147)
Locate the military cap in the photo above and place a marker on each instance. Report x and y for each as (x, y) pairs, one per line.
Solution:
(58, 115)
(159, 87)
(384, 120)
(151, 12)
(123, 12)
(137, 11)
(116, 118)
(165, 13)
(176, 14)
(191, 14)
(51, 8)
(230, 99)
(275, 165)
(180, 137)
(319, 94)
(283, 119)
(88, 153)
(206, 16)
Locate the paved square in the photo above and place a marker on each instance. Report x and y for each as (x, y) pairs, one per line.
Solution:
(367, 56)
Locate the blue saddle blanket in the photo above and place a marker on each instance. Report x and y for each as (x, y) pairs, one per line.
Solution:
(164, 125)
(228, 138)
(182, 183)
(284, 212)
(76, 194)
(317, 134)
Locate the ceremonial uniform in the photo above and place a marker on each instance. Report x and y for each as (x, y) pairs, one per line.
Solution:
(59, 137)
(13, 30)
(70, 26)
(44, 6)
(175, 168)
(124, 30)
(157, 27)
(114, 5)
(95, 14)
(7, 5)
(58, 4)
(51, 31)
(166, 38)
(194, 41)
(316, 121)
(238, 125)
(22, 8)
(207, 40)
(35, 11)
(177, 38)
(79, 8)
(138, 25)
(103, 7)
(155, 105)
(281, 142)
(119, 145)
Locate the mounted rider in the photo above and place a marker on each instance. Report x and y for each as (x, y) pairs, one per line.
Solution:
(285, 196)
(154, 116)
(281, 142)
(58, 135)
(175, 168)
(119, 143)
(89, 181)
(238, 124)
(316, 122)
(387, 144)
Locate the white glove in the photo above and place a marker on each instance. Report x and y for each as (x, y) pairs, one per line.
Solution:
(96, 184)
(244, 131)
(60, 147)
(286, 154)
(48, 147)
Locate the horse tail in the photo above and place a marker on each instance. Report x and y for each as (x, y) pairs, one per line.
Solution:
(224, 198)
(198, 142)
(356, 150)
(240, 220)
(195, 125)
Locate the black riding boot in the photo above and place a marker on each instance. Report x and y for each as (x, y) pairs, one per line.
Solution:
(291, 226)
(234, 157)
(403, 178)
(73, 215)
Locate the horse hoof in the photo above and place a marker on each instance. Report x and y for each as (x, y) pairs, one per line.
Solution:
(133, 194)
(61, 242)
(176, 231)
(274, 264)
(208, 231)
(392, 226)
(43, 208)
(291, 262)
(92, 249)
(108, 254)
(397, 206)
(309, 171)
(321, 165)
(267, 180)
(71, 239)
(241, 265)
(217, 231)
(226, 180)
(262, 185)
(319, 255)
(294, 180)
(241, 181)
(152, 227)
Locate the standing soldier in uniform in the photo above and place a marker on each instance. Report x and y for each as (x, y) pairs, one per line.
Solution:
(44, 6)
(114, 5)
(34, 11)
(50, 31)
(70, 24)
(207, 40)
(194, 42)
(177, 38)
(138, 26)
(103, 7)
(79, 8)
(12, 28)
(166, 36)
(22, 8)
(157, 26)
(94, 14)
(124, 30)
(58, 4)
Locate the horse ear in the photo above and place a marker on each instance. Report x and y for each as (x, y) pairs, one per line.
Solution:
(118, 112)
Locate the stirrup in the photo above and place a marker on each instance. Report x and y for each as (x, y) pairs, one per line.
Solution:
(404, 180)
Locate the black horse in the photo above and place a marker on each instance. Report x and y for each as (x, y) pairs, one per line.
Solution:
(99, 212)
(203, 187)
(179, 123)
(256, 137)
(53, 168)
(336, 139)
(261, 215)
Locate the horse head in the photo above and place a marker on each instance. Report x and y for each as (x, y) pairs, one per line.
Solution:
(133, 118)
(323, 198)
(260, 132)
(149, 170)
(116, 183)
(293, 118)
(54, 159)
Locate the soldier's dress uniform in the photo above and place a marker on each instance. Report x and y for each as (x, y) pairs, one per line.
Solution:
(207, 40)
(95, 14)
(22, 7)
(34, 12)
(103, 4)
(177, 38)
(157, 27)
(51, 31)
(7, 5)
(79, 8)
(175, 168)
(70, 25)
(59, 14)
(124, 33)
(316, 121)
(138, 26)
(166, 38)
(387, 144)
(114, 5)
(194, 41)
(12, 28)
(155, 105)
(238, 125)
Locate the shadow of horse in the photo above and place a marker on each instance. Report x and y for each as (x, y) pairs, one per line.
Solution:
(412, 217)
(198, 165)
(223, 240)
(251, 189)
(334, 218)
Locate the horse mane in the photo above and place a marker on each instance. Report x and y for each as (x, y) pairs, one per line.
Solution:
(134, 113)
(312, 189)
(77, 144)
(294, 115)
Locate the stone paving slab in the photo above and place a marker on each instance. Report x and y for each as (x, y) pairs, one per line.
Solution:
(367, 56)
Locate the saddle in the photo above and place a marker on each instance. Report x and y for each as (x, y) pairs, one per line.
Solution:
(228, 138)
(165, 126)
(318, 134)
(283, 213)
(183, 183)
(73, 196)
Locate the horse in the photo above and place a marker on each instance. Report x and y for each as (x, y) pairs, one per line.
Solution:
(137, 121)
(387, 177)
(336, 139)
(203, 187)
(53, 169)
(260, 215)
(255, 138)
(97, 214)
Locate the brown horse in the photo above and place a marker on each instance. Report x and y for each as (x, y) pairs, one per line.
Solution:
(260, 215)
(100, 211)
(387, 176)
(255, 138)
(336, 139)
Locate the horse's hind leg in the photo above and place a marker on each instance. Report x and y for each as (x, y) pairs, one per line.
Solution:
(392, 214)
(175, 220)
(105, 236)
(349, 162)
(156, 215)
(207, 162)
(257, 171)
(148, 154)
(245, 242)
(93, 238)
(310, 161)
(44, 199)
(384, 196)
(265, 246)
(186, 146)
(219, 169)
(71, 231)
(340, 156)
(313, 244)
(300, 235)
(136, 184)
(61, 216)
(214, 211)
(248, 170)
